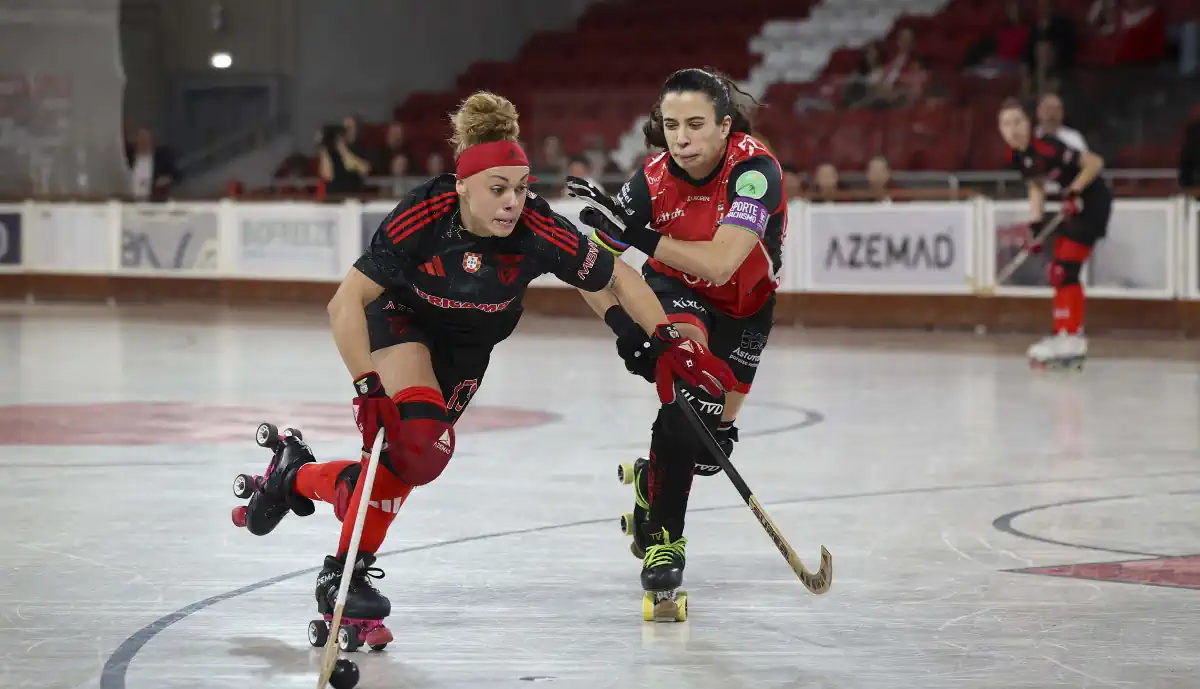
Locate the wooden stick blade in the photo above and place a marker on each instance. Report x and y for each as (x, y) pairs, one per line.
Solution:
(817, 583)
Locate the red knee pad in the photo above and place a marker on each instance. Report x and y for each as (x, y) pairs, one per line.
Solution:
(426, 439)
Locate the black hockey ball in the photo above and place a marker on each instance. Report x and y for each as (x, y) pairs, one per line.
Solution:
(344, 675)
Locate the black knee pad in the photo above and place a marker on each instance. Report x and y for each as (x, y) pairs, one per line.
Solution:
(1064, 273)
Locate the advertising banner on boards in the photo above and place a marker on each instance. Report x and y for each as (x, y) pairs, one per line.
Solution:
(169, 238)
(286, 240)
(1133, 255)
(911, 246)
(10, 239)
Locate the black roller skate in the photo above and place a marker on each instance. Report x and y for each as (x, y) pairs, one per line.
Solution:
(366, 607)
(662, 575)
(271, 495)
(638, 474)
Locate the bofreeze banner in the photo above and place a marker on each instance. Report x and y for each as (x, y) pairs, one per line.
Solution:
(167, 238)
(297, 241)
(860, 247)
(69, 238)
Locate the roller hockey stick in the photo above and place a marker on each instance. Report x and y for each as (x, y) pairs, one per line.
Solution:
(816, 583)
(331, 647)
(1024, 254)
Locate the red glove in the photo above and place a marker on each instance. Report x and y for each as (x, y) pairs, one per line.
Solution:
(373, 409)
(689, 361)
(1070, 204)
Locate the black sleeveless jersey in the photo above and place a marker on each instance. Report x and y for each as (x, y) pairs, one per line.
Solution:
(469, 287)
(1048, 158)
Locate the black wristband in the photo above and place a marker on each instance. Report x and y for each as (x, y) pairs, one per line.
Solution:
(621, 324)
(642, 238)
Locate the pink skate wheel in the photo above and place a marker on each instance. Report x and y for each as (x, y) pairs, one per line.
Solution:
(239, 516)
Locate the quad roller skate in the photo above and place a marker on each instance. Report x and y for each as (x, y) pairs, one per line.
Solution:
(271, 495)
(631, 522)
(1059, 352)
(662, 575)
(362, 618)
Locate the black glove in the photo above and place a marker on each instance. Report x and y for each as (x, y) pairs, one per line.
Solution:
(633, 345)
(603, 215)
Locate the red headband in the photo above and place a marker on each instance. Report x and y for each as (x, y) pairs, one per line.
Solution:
(480, 157)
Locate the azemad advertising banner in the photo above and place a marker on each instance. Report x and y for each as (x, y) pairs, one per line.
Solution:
(884, 247)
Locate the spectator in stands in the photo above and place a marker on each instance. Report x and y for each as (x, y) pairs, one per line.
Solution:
(862, 88)
(1103, 18)
(550, 168)
(402, 181)
(341, 171)
(904, 77)
(1045, 75)
(879, 177)
(152, 172)
(393, 146)
(1004, 50)
(825, 183)
(581, 166)
(1054, 27)
(793, 187)
(1050, 122)
(435, 164)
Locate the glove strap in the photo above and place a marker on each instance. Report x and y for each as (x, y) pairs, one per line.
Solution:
(369, 384)
(606, 242)
(643, 238)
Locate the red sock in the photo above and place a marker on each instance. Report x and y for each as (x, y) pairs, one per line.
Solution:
(319, 481)
(1068, 299)
(386, 499)
(1068, 309)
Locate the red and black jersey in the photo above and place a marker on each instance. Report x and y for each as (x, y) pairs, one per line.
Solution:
(468, 285)
(745, 190)
(1048, 158)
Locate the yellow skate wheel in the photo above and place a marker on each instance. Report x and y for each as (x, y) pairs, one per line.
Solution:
(625, 472)
(648, 607)
(627, 524)
(681, 600)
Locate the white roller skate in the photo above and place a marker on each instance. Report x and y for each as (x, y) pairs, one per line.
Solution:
(1059, 351)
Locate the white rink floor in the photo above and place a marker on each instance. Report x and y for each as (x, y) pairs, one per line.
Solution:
(933, 467)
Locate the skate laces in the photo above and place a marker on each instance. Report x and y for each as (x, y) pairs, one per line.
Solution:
(662, 554)
(364, 574)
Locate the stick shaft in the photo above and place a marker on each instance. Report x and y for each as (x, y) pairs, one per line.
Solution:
(366, 485)
(1024, 254)
(818, 582)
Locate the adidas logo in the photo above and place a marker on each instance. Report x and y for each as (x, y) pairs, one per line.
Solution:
(386, 506)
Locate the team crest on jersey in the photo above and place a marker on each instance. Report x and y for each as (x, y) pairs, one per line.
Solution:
(510, 268)
(472, 262)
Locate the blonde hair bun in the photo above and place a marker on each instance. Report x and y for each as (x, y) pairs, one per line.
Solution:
(483, 118)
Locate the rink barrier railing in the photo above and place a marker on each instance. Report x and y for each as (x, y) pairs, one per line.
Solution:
(956, 247)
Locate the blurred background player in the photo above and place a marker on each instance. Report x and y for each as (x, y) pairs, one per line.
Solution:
(415, 321)
(1086, 208)
(711, 213)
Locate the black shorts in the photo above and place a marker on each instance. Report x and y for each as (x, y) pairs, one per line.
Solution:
(1091, 224)
(739, 342)
(459, 366)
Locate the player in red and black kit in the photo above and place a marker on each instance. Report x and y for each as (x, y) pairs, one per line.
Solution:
(415, 322)
(1086, 208)
(711, 214)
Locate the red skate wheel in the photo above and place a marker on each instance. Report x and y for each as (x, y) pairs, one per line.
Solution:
(378, 638)
(239, 516)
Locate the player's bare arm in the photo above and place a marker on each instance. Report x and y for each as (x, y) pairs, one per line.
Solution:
(348, 320)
